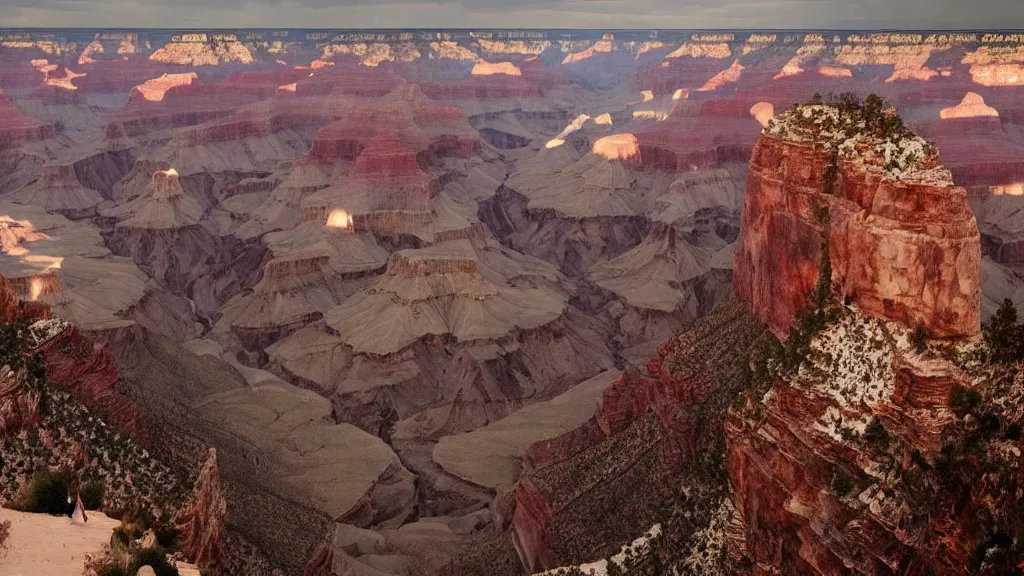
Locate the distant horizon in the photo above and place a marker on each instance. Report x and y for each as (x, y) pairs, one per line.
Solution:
(610, 15)
(536, 29)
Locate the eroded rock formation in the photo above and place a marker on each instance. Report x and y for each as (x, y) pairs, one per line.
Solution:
(905, 249)
(200, 522)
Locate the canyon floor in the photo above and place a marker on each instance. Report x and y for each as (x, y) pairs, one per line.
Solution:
(383, 277)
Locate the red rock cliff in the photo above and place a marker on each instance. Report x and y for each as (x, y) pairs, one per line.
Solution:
(201, 521)
(900, 249)
(73, 362)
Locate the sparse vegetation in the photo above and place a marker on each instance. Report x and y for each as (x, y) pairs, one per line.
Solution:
(848, 127)
(117, 560)
(963, 401)
(841, 483)
(80, 451)
(1004, 335)
(919, 340)
(5, 535)
(48, 493)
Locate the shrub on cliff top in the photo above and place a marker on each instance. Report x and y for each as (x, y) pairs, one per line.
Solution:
(48, 493)
(1004, 336)
(155, 558)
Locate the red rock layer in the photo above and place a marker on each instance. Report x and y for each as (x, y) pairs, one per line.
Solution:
(978, 151)
(908, 252)
(19, 405)
(781, 470)
(17, 129)
(392, 141)
(586, 492)
(680, 73)
(359, 81)
(178, 100)
(200, 523)
(90, 373)
(118, 76)
(483, 88)
(20, 77)
(74, 363)
(686, 140)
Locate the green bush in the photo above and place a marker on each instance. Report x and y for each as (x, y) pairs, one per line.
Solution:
(841, 483)
(919, 340)
(155, 558)
(166, 534)
(92, 496)
(120, 538)
(111, 570)
(1004, 336)
(963, 401)
(48, 493)
(875, 433)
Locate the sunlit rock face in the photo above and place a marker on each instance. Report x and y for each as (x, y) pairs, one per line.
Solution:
(520, 47)
(720, 50)
(599, 47)
(835, 72)
(487, 68)
(154, 90)
(727, 76)
(372, 55)
(107, 46)
(996, 65)
(617, 147)
(998, 74)
(203, 50)
(763, 111)
(972, 106)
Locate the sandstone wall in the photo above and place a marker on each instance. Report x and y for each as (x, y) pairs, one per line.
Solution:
(401, 264)
(909, 252)
(391, 221)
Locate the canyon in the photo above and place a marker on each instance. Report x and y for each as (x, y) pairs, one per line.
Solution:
(474, 303)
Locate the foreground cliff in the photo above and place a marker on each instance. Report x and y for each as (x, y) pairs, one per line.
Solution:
(902, 239)
(64, 426)
(882, 437)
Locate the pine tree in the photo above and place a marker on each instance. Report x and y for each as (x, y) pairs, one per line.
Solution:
(1004, 336)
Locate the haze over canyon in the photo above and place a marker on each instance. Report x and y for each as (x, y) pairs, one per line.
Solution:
(404, 303)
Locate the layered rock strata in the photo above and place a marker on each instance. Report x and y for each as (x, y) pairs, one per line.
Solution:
(902, 247)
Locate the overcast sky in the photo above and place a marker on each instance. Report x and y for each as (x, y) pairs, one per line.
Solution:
(838, 14)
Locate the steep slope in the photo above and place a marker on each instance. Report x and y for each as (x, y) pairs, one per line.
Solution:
(855, 459)
(875, 194)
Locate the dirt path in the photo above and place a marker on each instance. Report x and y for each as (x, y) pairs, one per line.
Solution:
(41, 545)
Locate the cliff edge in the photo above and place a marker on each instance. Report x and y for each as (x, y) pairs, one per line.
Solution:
(901, 237)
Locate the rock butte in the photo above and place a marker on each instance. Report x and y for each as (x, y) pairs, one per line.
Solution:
(763, 111)
(59, 191)
(885, 236)
(488, 68)
(617, 147)
(155, 89)
(972, 106)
